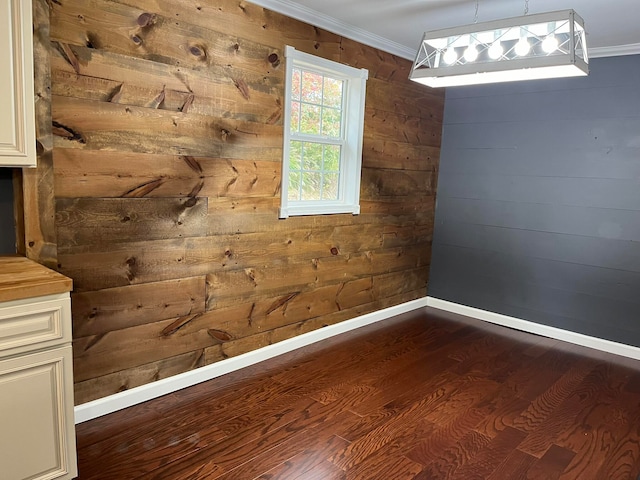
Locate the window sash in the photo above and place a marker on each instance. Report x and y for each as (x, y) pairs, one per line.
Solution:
(350, 140)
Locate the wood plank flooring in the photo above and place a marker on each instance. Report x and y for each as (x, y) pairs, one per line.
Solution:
(423, 396)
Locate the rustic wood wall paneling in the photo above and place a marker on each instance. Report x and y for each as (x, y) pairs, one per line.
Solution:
(35, 186)
(167, 144)
(19, 212)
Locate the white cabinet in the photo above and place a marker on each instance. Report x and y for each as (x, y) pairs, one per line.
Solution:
(17, 118)
(33, 409)
(37, 432)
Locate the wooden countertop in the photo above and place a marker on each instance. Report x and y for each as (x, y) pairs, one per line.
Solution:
(23, 278)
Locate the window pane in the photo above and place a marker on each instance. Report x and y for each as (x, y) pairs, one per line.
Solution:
(311, 185)
(295, 155)
(311, 87)
(331, 158)
(294, 186)
(295, 84)
(295, 116)
(323, 145)
(310, 119)
(312, 156)
(331, 118)
(330, 187)
(332, 92)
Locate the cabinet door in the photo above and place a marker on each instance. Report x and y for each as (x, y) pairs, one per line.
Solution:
(17, 121)
(37, 434)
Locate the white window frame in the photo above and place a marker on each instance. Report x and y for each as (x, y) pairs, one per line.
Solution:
(353, 97)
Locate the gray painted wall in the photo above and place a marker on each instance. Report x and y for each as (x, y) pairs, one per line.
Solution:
(538, 210)
(7, 228)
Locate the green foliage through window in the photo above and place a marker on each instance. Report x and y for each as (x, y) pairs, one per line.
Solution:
(314, 171)
(316, 104)
(316, 110)
(324, 108)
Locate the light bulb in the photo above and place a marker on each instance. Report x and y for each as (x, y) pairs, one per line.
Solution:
(522, 47)
(550, 44)
(495, 50)
(450, 56)
(471, 53)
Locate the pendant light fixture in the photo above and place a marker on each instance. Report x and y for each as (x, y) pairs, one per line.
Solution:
(545, 45)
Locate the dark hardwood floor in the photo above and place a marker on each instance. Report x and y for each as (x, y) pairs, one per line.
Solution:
(421, 396)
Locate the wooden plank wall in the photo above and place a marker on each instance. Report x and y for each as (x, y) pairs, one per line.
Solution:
(33, 188)
(167, 124)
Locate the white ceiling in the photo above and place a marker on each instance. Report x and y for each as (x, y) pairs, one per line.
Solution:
(396, 26)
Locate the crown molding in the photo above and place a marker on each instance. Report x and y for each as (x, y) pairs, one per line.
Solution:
(321, 20)
(326, 22)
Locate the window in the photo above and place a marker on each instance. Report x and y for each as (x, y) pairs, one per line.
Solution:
(324, 118)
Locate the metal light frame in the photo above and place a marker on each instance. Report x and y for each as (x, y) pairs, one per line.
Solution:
(569, 58)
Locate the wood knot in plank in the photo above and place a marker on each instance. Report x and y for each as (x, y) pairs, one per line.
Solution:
(191, 202)
(252, 276)
(137, 39)
(69, 55)
(196, 189)
(282, 302)
(67, 132)
(116, 94)
(274, 59)
(146, 19)
(224, 134)
(274, 117)
(242, 86)
(198, 51)
(144, 189)
(334, 251)
(91, 41)
(177, 325)
(219, 335)
(187, 103)
(192, 163)
(159, 99)
(94, 340)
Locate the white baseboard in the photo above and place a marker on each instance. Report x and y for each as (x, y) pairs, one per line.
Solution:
(128, 398)
(532, 327)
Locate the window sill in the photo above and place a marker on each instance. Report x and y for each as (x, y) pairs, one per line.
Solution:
(299, 210)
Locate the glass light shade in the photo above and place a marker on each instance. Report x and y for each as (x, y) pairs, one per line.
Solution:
(537, 46)
(496, 50)
(471, 53)
(522, 48)
(550, 44)
(450, 56)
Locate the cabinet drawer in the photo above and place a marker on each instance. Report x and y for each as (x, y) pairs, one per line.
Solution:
(32, 325)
